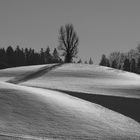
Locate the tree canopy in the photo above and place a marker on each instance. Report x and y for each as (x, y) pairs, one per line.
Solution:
(68, 42)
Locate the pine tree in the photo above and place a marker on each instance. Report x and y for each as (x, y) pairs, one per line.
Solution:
(107, 62)
(2, 55)
(103, 60)
(126, 65)
(10, 56)
(56, 58)
(90, 61)
(79, 61)
(3, 63)
(48, 56)
(42, 56)
(138, 66)
(27, 56)
(133, 65)
(19, 57)
(114, 64)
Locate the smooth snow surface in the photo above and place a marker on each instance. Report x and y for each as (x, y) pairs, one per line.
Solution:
(37, 113)
(44, 113)
(90, 79)
(7, 74)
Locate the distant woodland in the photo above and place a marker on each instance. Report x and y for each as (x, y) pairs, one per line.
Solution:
(24, 57)
(68, 45)
(129, 61)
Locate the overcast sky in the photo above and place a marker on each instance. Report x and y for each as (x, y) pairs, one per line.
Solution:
(103, 26)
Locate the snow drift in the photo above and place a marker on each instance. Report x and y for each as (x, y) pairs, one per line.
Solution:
(31, 111)
(43, 113)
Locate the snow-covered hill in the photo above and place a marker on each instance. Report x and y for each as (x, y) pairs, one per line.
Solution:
(36, 112)
(89, 79)
(44, 113)
(9, 73)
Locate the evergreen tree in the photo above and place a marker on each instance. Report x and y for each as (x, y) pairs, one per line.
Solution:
(107, 62)
(103, 61)
(10, 56)
(126, 65)
(42, 56)
(90, 61)
(36, 58)
(133, 65)
(31, 54)
(114, 64)
(19, 57)
(48, 56)
(138, 66)
(56, 58)
(3, 63)
(114, 59)
(79, 61)
(27, 56)
(22, 57)
(2, 55)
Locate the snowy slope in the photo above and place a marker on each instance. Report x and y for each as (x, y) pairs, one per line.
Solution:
(89, 79)
(40, 113)
(36, 113)
(9, 73)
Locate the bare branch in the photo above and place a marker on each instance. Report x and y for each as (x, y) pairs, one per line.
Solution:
(68, 42)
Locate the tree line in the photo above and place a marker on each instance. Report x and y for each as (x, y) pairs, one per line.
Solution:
(24, 57)
(68, 46)
(129, 61)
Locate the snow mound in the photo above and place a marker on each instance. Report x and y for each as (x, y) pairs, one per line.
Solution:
(91, 79)
(9, 73)
(43, 113)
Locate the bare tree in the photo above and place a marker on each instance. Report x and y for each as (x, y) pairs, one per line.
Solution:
(68, 42)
